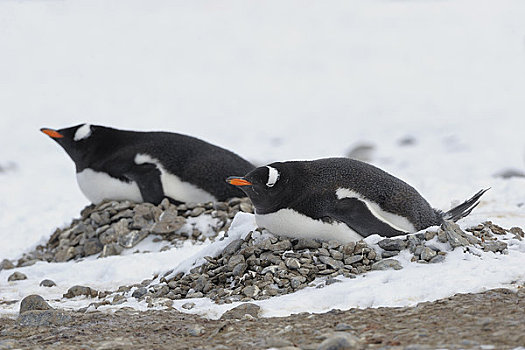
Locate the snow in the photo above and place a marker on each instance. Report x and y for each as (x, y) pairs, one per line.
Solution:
(271, 81)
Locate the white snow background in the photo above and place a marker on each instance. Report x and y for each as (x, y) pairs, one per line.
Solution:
(273, 80)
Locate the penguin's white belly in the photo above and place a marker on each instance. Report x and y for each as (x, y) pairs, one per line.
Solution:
(173, 186)
(182, 191)
(98, 186)
(288, 222)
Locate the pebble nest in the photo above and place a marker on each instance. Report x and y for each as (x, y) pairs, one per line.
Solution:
(257, 267)
(110, 227)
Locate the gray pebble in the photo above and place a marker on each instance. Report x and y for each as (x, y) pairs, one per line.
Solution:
(47, 283)
(80, 291)
(427, 254)
(139, 292)
(238, 312)
(353, 259)
(454, 234)
(16, 276)
(292, 263)
(389, 253)
(92, 246)
(188, 306)
(387, 264)
(392, 244)
(251, 291)
(437, 259)
(494, 246)
(6, 265)
(33, 302)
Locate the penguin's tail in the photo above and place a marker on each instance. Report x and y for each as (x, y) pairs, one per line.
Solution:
(464, 208)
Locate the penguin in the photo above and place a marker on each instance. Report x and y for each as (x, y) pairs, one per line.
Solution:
(339, 199)
(113, 164)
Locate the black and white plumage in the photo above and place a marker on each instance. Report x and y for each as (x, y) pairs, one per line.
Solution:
(148, 166)
(340, 199)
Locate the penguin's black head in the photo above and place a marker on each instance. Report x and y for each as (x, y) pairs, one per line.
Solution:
(267, 186)
(75, 140)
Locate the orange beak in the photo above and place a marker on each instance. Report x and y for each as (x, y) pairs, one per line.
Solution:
(52, 133)
(238, 181)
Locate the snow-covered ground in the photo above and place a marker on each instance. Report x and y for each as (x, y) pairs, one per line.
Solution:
(272, 81)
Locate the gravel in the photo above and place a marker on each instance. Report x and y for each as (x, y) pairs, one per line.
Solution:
(488, 320)
(258, 267)
(110, 227)
(262, 266)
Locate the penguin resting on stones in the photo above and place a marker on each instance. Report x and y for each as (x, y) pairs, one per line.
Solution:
(117, 164)
(339, 199)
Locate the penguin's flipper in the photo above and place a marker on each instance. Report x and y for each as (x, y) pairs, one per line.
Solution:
(359, 218)
(147, 177)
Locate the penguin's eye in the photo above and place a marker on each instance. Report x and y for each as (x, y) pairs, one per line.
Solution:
(83, 132)
(273, 176)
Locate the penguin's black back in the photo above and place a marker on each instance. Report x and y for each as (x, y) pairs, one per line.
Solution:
(324, 177)
(192, 160)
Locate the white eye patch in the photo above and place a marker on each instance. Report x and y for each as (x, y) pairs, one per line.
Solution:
(83, 132)
(273, 176)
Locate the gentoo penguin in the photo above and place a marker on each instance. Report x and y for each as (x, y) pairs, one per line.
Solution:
(148, 166)
(339, 199)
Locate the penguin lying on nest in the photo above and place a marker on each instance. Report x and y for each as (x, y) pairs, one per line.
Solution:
(148, 166)
(339, 199)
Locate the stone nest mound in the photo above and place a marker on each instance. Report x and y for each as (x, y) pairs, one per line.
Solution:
(110, 227)
(262, 265)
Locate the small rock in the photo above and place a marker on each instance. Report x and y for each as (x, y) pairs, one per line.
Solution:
(139, 292)
(335, 264)
(47, 283)
(239, 269)
(238, 312)
(341, 341)
(251, 291)
(233, 247)
(111, 249)
(119, 299)
(292, 263)
(392, 244)
(166, 226)
(304, 243)
(353, 259)
(387, 264)
(235, 260)
(427, 254)
(437, 259)
(197, 211)
(80, 290)
(92, 246)
(6, 265)
(389, 253)
(33, 302)
(188, 306)
(16, 276)
(454, 234)
(132, 238)
(494, 246)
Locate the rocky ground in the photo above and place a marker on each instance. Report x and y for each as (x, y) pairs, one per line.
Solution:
(491, 320)
(256, 267)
